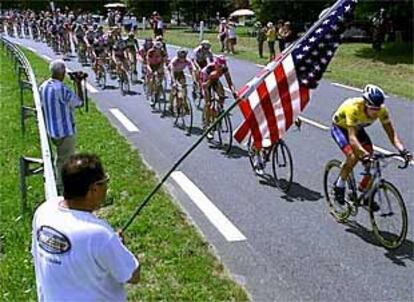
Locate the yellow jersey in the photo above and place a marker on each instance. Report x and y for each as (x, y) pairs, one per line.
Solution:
(351, 113)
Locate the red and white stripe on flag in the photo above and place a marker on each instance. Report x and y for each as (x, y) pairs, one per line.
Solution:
(272, 107)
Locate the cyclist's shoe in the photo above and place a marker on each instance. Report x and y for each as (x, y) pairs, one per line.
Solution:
(209, 136)
(339, 195)
(258, 166)
(152, 103)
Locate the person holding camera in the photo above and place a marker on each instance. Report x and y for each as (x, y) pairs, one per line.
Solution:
(58, 103)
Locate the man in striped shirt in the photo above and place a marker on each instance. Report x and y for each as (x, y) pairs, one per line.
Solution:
(59, 103)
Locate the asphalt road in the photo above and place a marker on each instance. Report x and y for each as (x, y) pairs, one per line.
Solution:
(281, 247)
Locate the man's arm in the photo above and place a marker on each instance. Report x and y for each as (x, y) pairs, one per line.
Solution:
(393, 136)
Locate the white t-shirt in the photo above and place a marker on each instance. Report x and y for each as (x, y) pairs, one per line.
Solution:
(77, 256)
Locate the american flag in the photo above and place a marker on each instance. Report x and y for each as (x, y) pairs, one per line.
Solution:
(273, 99)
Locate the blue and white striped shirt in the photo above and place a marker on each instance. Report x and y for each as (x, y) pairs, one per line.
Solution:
(58, 103)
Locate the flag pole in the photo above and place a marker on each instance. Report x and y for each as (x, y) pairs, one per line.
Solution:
(177, 163)
(209, 129)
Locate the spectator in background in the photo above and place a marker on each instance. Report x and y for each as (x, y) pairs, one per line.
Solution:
(231, 37)
(261, 37)
(222, 33)
(76, 255)
(287, 35)
(378, 29)
(157, 24)
(279, 30)
(271, 39)
(59, 103)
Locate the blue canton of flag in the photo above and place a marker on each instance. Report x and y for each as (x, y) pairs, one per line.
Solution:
(313, 54)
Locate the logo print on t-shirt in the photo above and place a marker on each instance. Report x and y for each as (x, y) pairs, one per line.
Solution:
(52, 241)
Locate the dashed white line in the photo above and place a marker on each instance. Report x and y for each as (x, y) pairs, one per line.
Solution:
(347, 87)
(260, 65)
(213, 214)
(91, 88)
(32, 49)
(124, 120)
(313, 123)
(46, 57)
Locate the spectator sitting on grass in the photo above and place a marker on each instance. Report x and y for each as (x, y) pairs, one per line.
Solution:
(77, 256)
(58, 103)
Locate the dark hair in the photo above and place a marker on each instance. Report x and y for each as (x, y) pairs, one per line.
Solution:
(78, 173)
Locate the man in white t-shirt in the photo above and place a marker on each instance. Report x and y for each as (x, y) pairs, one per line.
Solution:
(77, 256)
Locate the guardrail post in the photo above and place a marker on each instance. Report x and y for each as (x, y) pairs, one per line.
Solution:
(26, 170)
(25, 111)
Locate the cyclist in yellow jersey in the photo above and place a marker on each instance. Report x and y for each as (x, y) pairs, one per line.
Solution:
(347, 130)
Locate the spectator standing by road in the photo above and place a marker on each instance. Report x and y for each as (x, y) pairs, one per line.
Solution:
(59, 103)
(288, 34)
(222, 33)
(378, 30)
(77, 256)
(261, 37)
(271, 39)
(279, 31)
(231, 37)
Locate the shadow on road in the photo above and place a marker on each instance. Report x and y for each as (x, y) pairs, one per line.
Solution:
(404, 252)
(236, 152)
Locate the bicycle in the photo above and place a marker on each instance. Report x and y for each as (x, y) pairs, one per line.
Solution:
(282, 162)
(123, 80)
(181, 107)
(156, 91)
(224, 129)
(379, 191)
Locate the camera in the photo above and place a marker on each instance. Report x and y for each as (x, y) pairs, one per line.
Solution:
(77, 75)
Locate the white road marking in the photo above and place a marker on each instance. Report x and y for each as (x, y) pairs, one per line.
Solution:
(124, 120)
(260, 65)
(32, 49)
(347, 87)
(91, 88)
(46, 57)
(216, 217)
(351, 88)
(313, 123)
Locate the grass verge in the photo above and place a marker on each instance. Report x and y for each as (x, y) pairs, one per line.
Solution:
(354, 64)
(177, 264)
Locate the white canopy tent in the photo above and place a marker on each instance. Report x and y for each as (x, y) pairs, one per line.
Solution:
(242, 14)
(115, 5)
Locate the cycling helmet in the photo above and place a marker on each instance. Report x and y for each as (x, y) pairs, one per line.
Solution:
(158, 45)
(158, 38)
(220, 60)
(373, 96)
(182, 53)
(205, 44)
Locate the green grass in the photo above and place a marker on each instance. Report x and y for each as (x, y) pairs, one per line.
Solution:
(177, 264)
(354, 64)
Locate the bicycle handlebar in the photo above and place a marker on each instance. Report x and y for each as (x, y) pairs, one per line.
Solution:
(378, 156)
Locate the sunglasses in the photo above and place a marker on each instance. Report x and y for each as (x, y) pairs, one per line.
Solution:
(373, 108)
(103, 181)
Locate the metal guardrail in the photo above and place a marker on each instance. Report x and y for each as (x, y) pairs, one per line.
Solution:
(44, 164)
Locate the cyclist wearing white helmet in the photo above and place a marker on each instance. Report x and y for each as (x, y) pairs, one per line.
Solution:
(210, 79)
(349, 121)
(202, 55)
(176, 68)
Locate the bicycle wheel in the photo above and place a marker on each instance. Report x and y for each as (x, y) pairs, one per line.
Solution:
(102, 77)
(390, 222)
(339, 212)
(225, 133)
(282, 166)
